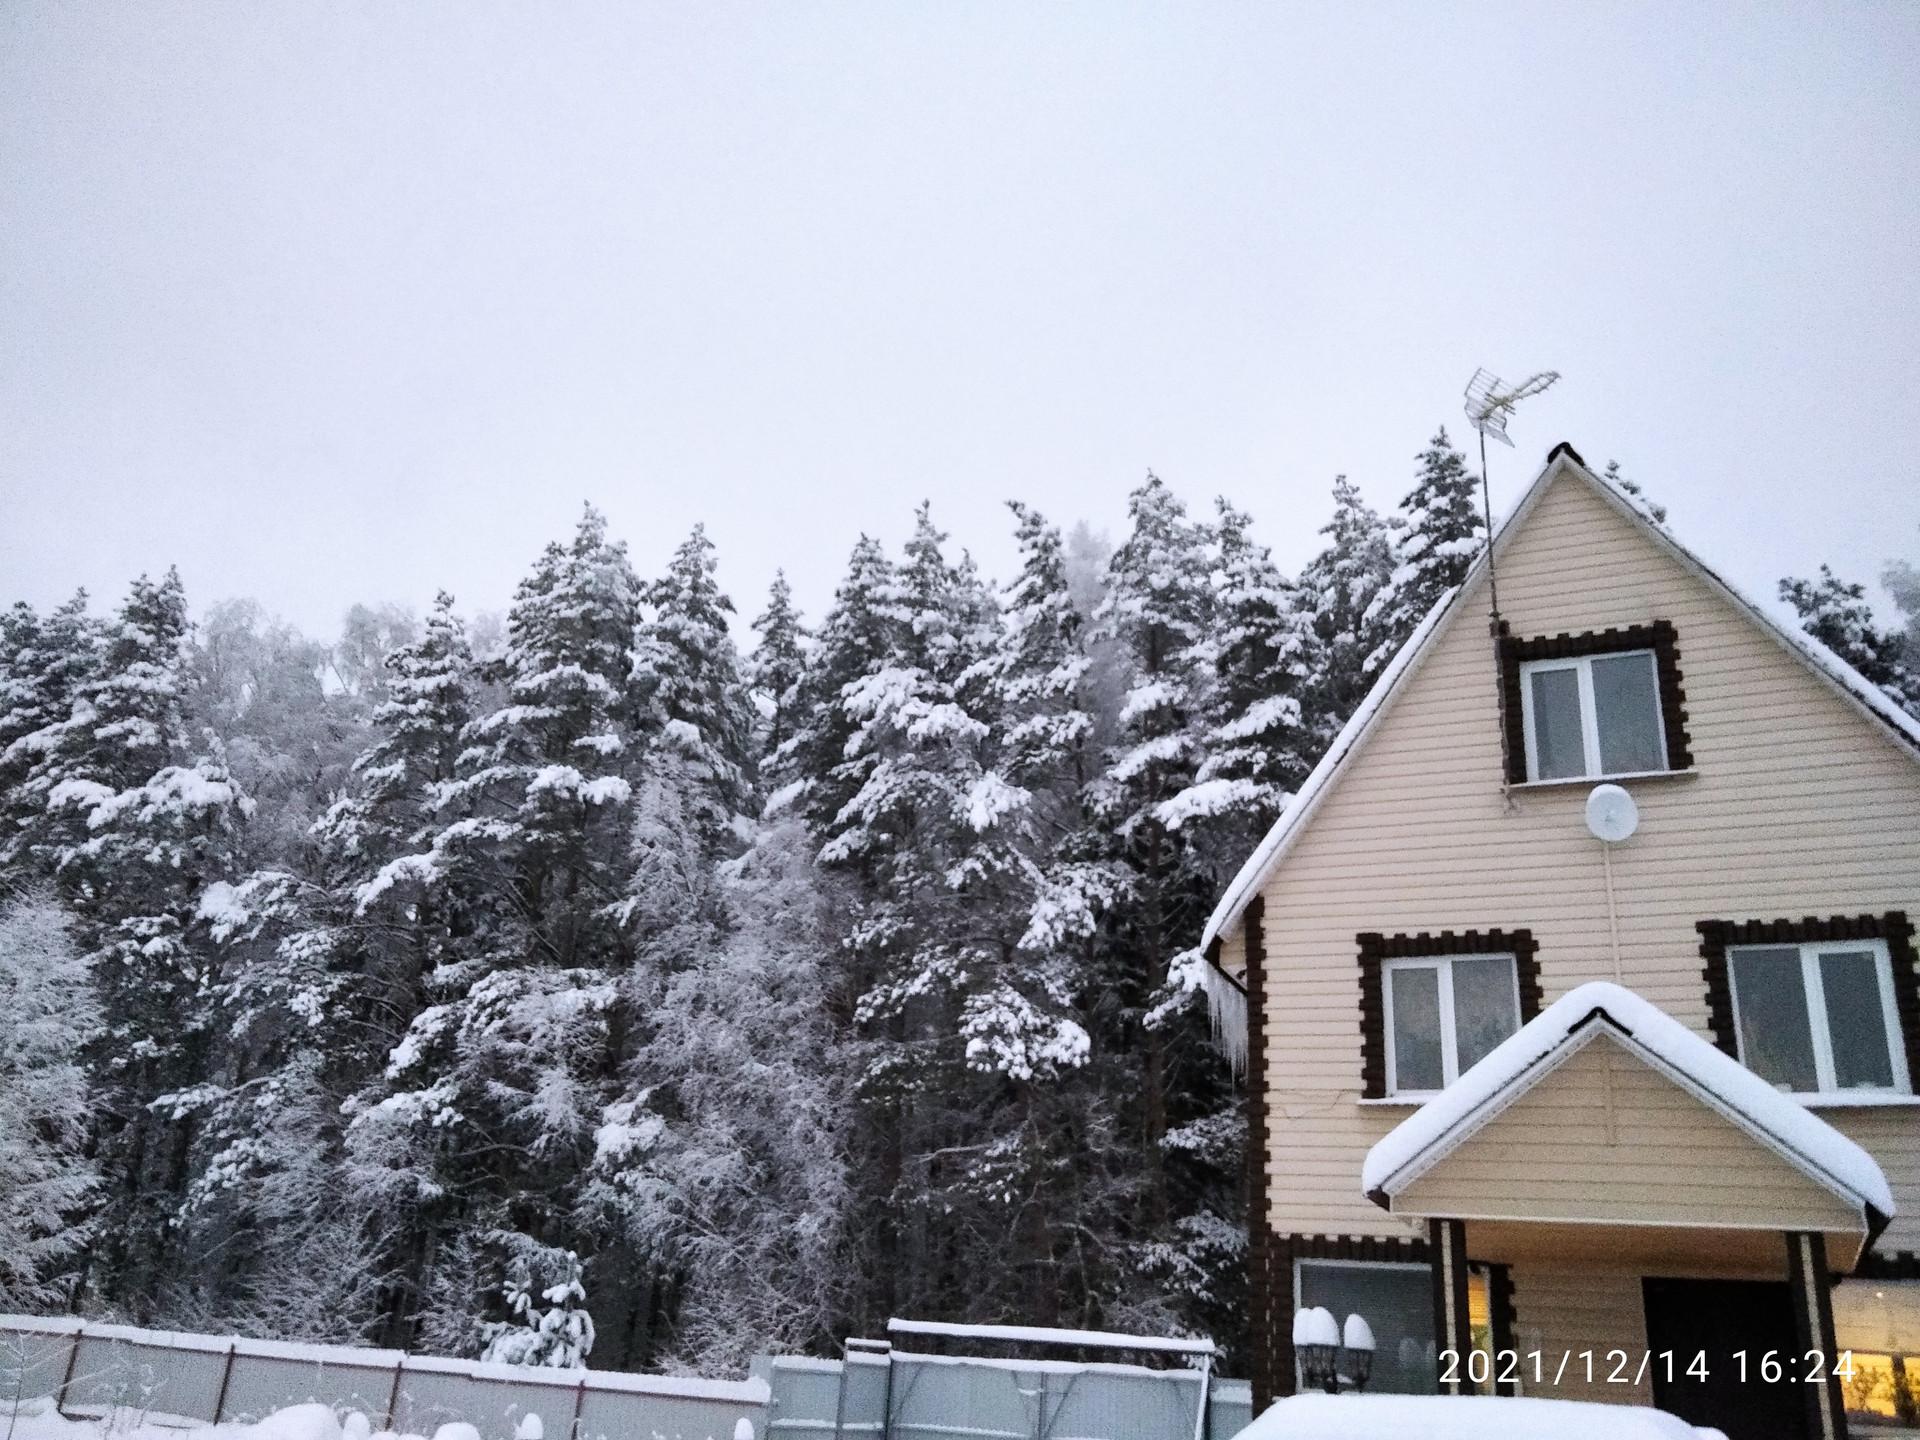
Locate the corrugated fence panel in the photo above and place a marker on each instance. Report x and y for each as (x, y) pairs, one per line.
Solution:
(200, 1377)
(150, 1370)
(34, 1355)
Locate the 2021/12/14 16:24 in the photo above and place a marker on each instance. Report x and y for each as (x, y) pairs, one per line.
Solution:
(1509, 1366)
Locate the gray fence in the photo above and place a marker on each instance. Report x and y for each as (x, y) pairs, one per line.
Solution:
(200, 1379)
(896, 1395)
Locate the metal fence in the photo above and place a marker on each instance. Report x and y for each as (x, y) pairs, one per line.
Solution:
(200, 1379)
(897, 1395)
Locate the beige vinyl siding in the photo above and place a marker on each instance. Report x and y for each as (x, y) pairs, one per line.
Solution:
(1567, 1312)
(1664, 1159)
(1801, 806)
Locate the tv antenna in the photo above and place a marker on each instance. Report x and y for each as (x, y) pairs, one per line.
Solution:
(1489, 407)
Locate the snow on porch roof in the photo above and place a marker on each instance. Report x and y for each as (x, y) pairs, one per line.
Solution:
(1776, 1120)
(1859, 692)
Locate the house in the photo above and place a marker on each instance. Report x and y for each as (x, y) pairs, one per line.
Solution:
(1630, 1121)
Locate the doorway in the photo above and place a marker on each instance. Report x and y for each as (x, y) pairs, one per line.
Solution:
(1723, 1319)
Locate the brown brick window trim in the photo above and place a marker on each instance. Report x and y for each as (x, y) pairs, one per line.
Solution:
(1376, 948)
(1658, 636)
(1272, 1325)
(1893, 927)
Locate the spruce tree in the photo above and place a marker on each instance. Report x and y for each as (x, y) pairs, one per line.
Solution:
(1444, 531)
(1837, 614)
(1345, 591)
(779, 664)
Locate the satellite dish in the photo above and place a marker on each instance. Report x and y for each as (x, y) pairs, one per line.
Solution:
(1611, 814)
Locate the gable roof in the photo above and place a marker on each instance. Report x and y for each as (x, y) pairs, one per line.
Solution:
(1569, 1025)
(1854, 688)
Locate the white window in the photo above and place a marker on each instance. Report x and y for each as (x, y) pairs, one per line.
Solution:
(1444, 1013)
(1818, 1018)
(1593, 715)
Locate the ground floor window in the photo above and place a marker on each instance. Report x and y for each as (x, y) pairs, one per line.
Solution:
(1879, 1321)
(1397, 1301)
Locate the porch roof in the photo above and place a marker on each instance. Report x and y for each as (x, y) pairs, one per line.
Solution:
(1604, 1012)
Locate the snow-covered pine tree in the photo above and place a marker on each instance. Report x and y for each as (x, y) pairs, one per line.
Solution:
(489, 1101)
(321, 988)
(1445, 530)
(136, 826)
(1344, 590)
(43, 662)
(558, 1338)
(1258, 747)
(697, 694)
(779, 664)
(859, 637)
(1159, 614)
(47, 1017)
(1838, 615)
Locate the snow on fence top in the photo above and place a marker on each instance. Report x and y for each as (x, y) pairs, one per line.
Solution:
(1776, 1119)
(1042, 1335)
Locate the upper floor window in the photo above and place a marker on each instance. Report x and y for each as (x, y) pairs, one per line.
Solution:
(1580, 707)
(1818, 1017)
(1592, 716)
(1444, 1014)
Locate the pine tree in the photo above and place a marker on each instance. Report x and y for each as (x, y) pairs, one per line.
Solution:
(779, 664)
(1444, 531)
(136, 828)
(43, 663)
(1345, 589)
(1258, 748)
(698, 695)
(1837, 614)
(47, 1015)
(488, 1103)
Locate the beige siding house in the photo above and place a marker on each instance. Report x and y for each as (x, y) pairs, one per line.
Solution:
(1611, 1210)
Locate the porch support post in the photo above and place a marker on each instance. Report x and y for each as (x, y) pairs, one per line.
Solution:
(1452, 1328)
(1808, 1282)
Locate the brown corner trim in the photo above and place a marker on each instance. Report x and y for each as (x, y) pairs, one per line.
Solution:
(1658, 636)
(1892, 926)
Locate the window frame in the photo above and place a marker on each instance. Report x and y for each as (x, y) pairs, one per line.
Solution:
(1582, 666)
(1659, 636)
(1813, 992)
(1449, 1032)
(1373, 949)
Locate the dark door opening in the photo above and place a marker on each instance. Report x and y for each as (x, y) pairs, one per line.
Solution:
(1723, 1319)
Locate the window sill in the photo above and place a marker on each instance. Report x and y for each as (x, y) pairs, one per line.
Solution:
(1405, 1102)
(1687, 774)
(1869, 1100)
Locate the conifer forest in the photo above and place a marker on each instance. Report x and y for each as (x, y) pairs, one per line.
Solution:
(729, 984)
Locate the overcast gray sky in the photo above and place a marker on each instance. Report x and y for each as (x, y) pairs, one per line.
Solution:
(339, 302)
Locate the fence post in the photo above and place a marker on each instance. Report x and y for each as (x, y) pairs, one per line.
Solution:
(393, 1398)
(226, 1377)
(579, 1402)
(73, 1356)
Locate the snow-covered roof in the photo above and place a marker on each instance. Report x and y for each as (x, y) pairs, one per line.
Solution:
(1849, 683)
(1567, 1026)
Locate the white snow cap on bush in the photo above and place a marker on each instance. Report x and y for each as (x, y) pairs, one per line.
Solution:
(1359, 1334)
(1315, 1325)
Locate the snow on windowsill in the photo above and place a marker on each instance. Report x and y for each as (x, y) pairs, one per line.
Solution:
(1856, 1100)
(1689, 773)
(1405, 1102)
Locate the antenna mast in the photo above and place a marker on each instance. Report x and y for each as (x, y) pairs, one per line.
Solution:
(1489, 406)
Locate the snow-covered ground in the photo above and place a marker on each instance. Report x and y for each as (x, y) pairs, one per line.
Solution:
(39, 1420)
(1464, 1417)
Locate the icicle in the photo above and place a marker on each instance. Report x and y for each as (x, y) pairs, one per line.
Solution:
(1227, 1007)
